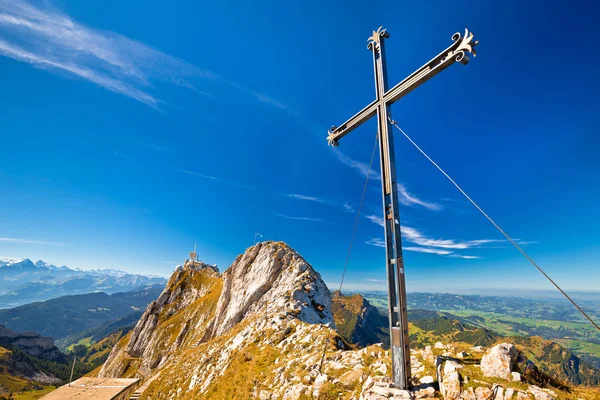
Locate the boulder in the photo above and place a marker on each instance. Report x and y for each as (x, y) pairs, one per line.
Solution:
(423, 391)
(351, 378)
(499, 361)
(522, 396)
(540, 394)
(427, 354)
(483, 393)
(451, 386)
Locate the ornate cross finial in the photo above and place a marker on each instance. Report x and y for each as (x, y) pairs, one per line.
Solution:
(375, 39)
(465, 44)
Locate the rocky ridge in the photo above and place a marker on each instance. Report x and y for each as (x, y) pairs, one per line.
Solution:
(30, 342)
(264, 329)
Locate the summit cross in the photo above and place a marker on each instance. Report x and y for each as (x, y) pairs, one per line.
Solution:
(458, 51)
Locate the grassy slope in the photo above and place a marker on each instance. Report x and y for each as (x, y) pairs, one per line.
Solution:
(98, 352)
(429, 327)
(357, 321)
(507, 325)
(170, 322)
(13, 383)
(549, 356)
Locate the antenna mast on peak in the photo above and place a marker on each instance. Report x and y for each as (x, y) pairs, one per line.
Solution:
(193, 254)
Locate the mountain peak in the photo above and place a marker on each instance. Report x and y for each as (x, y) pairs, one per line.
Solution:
(271, 278)
(268, 285)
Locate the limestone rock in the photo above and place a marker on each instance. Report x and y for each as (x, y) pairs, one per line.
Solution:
(30, 342)
(469, 394)
(176, 295)
(522, 396)
(516, 377)
(271, 277)
(451, 386)
(450, 367)
(499, 361)
(427, 354)
(423, 391)
(499, 390)
(539, 394)
(321, 379)
(350, 378)
(483, 393)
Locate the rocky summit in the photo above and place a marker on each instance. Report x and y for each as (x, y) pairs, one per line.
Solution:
(265, 329)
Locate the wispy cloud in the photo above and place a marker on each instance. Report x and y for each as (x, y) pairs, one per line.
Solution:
(299, 218)
(236, 184)
(348, 208)
(29, 241)
(374, 280)
(464, 257)
(48, 38)
(308, 198)
(217, 179)
(425, 244)
(152, 146)
(122, 155)
(409, 199)
(415, 236)
(361, 167)
(375, 219)
(377, 242)
(525, 242)
(427, 250)
(404, 196)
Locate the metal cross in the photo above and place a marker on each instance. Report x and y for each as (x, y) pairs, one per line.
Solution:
(456, 52)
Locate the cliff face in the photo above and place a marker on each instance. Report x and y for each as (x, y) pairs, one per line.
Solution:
(358, 321)
(198, 304)
(177, 318)
(32, 343)
(271, 278)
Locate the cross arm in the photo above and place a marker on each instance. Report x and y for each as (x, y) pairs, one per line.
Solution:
(456, 52)
(336, 133)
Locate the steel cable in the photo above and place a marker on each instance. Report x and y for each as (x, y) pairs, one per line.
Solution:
(362, 199)
(496, 225)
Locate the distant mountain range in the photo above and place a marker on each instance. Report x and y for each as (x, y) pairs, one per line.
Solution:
(69, 315)
(24, 281)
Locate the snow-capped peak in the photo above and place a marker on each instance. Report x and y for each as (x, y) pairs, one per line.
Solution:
(10, 261)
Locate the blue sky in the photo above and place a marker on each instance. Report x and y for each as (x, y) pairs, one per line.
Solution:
(131, 130)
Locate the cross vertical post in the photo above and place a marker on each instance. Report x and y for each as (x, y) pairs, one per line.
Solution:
(397, 309)
(394, 264)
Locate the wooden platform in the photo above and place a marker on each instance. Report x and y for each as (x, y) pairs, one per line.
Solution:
(95, 389)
